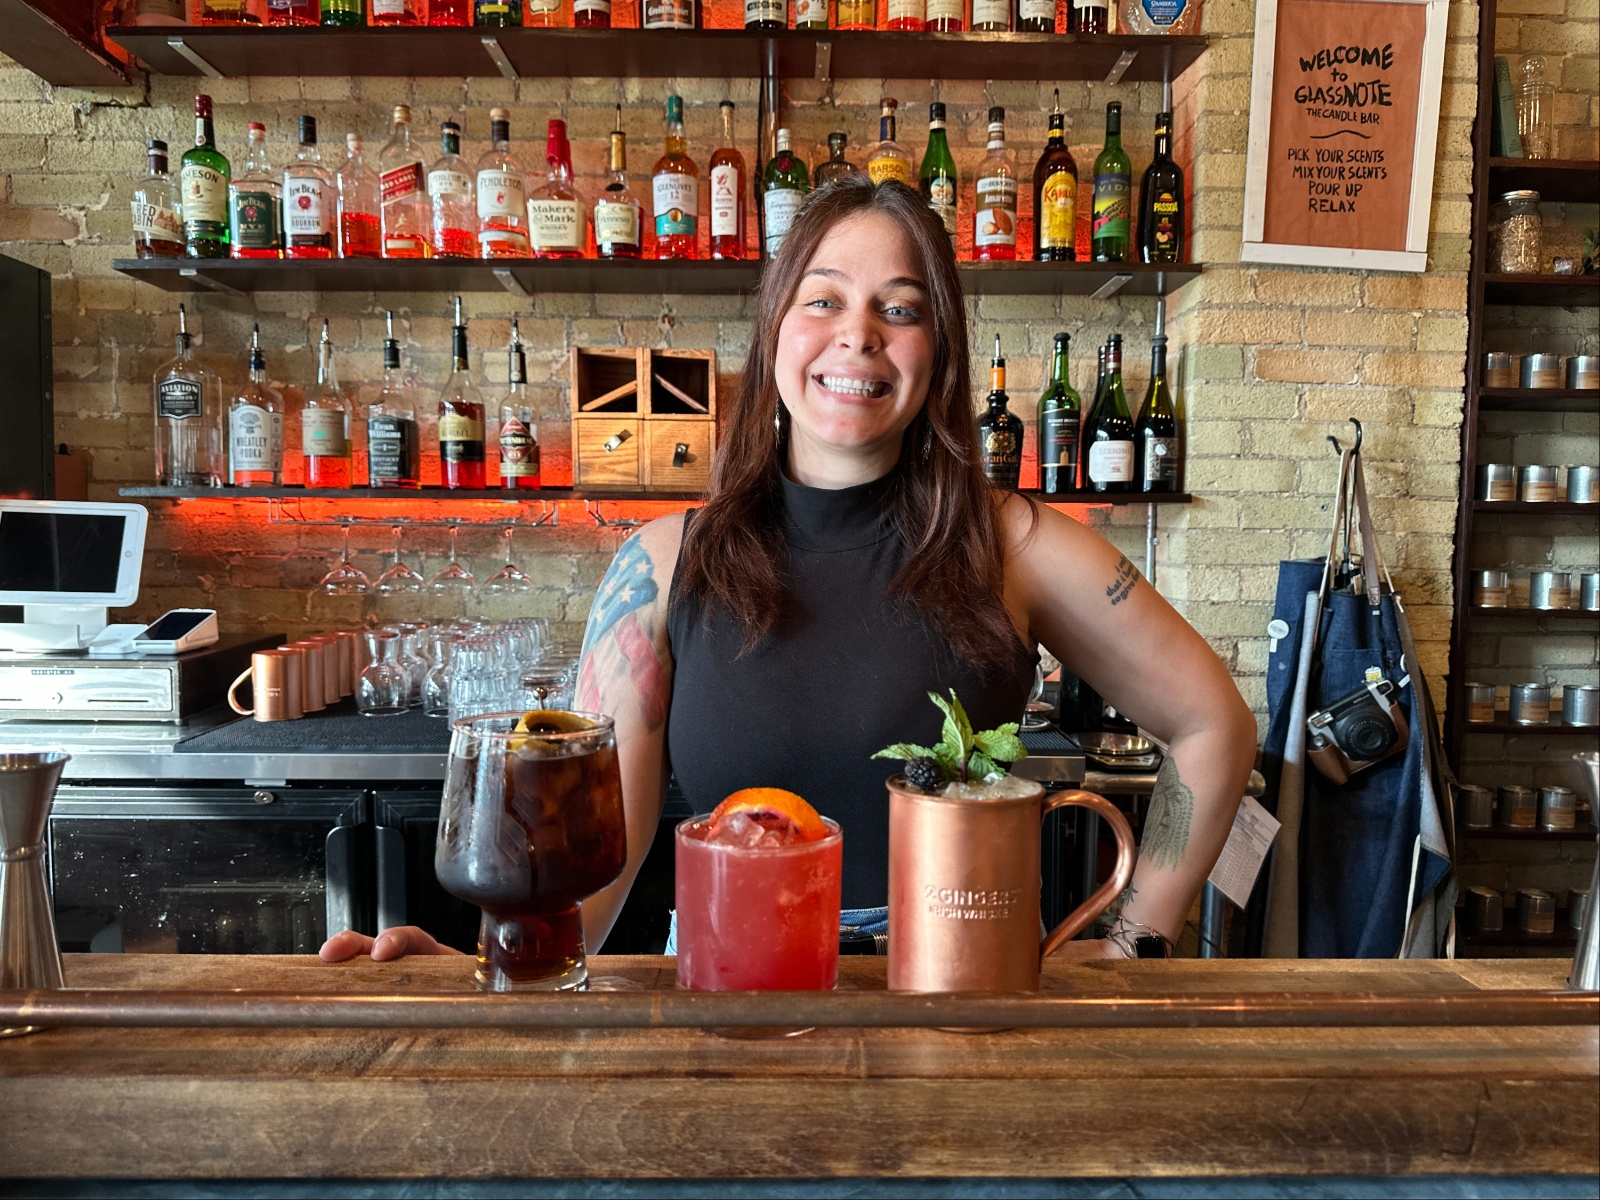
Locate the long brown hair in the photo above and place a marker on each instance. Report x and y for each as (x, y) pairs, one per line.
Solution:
(733, 556)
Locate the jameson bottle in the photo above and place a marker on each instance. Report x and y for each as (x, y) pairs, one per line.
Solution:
(1113, 190)
(1000, 432)
(1060, 422)
(1155, 433)
(203, 182)
(393, 443)
(1055, 195)
(937, 178)
(1161, 201)
(1109, 435)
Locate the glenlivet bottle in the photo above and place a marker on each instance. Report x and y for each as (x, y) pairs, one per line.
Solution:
(675, 187)
(999, 431)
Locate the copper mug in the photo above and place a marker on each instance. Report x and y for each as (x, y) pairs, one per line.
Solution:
(275, 676)
(314, 658)
(964, 889)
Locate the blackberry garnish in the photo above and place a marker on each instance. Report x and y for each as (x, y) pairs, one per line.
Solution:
(924, 773)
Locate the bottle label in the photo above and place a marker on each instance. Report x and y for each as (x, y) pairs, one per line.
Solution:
(995, 222)
(1037, 10)
(616, 225)
(1111, 462)
(539, 8)
(555, 224)
(677, 204)
(178, 399)
(765, 10)
(945, 10)
(324, 433)
(1058, 222)
(519, 450)
(401, 183)
(995, 12)
(156, 223)
(725, 200)
(460, 437)
(942, 199)
(388, 8)
(1083, 4)
(669, 14)
(500, 194)
(1058, 445)
(781, 206)
(256, 221)
(1111, 194)
(1164, 13)
(1160, 461)
(810, 14)
(205, 195)
(448, 183)
(251, 443)
(888, 167)
(1165, 210)
(594, 6)
(906, 10)
(391, 450)
(857, 14)
(1002, 447)
(305, 212)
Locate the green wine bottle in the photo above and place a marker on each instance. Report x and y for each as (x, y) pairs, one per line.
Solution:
(784, 187)
(1060, 423)
(344, 12)
(1113, 193)
(1110, 434)
(937, 179)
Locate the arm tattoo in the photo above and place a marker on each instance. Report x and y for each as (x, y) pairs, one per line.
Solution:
(1122, 585)
(1166, 829)
(618, 647)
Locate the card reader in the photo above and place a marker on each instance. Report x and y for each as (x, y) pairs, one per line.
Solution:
(179, 630)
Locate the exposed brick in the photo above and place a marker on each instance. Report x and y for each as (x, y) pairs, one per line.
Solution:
(1307, 366)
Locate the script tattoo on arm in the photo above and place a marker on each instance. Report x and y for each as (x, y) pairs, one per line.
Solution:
(1122, 586)
(619, 653)
(1166, 829)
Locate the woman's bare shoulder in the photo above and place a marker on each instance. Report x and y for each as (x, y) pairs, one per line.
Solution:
(1025, 524)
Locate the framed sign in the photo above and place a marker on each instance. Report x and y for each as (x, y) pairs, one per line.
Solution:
(1344, 124)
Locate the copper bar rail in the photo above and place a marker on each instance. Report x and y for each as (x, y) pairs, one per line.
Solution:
(688, 1010)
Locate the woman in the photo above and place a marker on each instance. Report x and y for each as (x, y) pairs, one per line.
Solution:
(849, 559)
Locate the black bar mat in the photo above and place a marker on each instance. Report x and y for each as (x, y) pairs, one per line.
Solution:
(337, 729)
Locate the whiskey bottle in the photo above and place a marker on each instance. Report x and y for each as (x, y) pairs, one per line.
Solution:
(325, 424)
(157, 214)
(255, 426)
(203, 180)
(392, 437)
(1110, 435)
(937, 179)
(294, 12)
(728, 182)
(519, 435)
(359, 232)
(1155, 433)
(670, 14)
(188, 396)
(461, 462)
(1060, 423)
(837, 167)
(675, 188)
(591, 14)
(908, 15)
(994, 221)
(255, 201)
(310, 200)
(999, 431)
(1113, 193)
(1036, 16)
(784, 187)
(888, 160)
(616, 209)
(406, 214)
(1089, 16)
(991, 16)
(944, 16)
(766, 14)
(856, 14)
(502, 195)
(395, 12)
(1055, 195)
(1161, 201)
(555, 210)
(454, 224)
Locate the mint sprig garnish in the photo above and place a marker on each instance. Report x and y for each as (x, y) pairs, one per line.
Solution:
(962, 754)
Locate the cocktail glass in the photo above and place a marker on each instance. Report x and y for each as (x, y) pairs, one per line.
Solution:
(399, 578)
(345, 579)
(453, 579)
(531, 825)
(509, 580)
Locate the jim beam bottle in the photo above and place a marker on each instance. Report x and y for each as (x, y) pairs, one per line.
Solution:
(999, 432)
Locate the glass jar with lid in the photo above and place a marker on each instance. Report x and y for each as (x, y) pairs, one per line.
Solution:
(1516, 234)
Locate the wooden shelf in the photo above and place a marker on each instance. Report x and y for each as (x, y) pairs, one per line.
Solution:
(1527, 508)
(1570, 614)
(1538, 399)
(657, 54)
(1515, 939)
(1504, 726)
(1563, 179)
(612, 276)
(1542, 291)
(1584, 833)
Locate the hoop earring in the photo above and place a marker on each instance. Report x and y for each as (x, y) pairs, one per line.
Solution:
(927, 442)
(777, 420)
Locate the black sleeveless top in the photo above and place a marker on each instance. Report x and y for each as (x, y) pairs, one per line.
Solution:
(845, 672)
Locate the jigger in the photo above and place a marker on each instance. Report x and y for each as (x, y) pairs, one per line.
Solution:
(29, 956)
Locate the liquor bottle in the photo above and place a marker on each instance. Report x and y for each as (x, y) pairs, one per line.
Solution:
(325, 424)
(1060, 422)
(728, 182)
(294, 12)
(406, 215)
(450, 13)
(784, 186)
(498, 14)
(1110, 435)
(544, 14)
(907, 15)
(393, 442)
(555, 210)
(670, 14)
(395, 12)
(810, 14)
(502, 194)
(888, 159)
(345, 13)
(203, 182)
(255, 426)
(999, 431)
(1113, 193)
(1089, 16)
(937, 178)
(226, 12)
(994, 223)
(519, 436)
(460, 417)
(766, 14)
(157, 215)
(991, 16)
(837, 167)
(359, 234)
(454, 223)
(1175, 16)
(310, 200)
(591, 14)
(255, 204)
(945, 16)
(616, 210)
(1055, 195)
(675, 188)
(856, 14)
(1161, 201)
(1036, 16)
(188, 395)
(1155, 433)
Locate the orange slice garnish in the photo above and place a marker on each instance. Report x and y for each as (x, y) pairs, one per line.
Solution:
(774, 806)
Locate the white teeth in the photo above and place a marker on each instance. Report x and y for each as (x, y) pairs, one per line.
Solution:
(853, 387)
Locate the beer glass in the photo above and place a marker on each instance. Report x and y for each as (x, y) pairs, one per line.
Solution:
(531, 825)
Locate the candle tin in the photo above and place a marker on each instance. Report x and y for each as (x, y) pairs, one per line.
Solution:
(1550, 589)
(1497, 481)
(1536, 911)
(1476, 805)
(1530, 703)
(1539, 485)
(1486, 910)
(1499, 370)
(1580, 704)
(1491, 589)
(1480, 702)
(1516, 807)
(1589, 591)
(1558, 809)
(1583, 371)
(1583, 485)
(1577, 908)
(1541, 370)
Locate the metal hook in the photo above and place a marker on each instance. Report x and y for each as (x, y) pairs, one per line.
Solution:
(1334, 442)
(1357, 424)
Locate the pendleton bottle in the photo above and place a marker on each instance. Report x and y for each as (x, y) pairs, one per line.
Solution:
(1161, 201)
(1113, 193)
(1060, 422)
(784, 186)
(937, 179)
(1155, 433)
(999, 431)
(1109, 435)
(203, 181)
(1055, 195)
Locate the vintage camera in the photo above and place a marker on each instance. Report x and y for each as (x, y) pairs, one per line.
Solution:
(1358, 730)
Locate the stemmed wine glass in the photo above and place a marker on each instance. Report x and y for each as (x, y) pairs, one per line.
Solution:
(509, 579)
(345, 579)
(398, 577)
(454, 579)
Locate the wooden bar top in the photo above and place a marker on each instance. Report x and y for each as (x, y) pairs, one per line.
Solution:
(474, 1103)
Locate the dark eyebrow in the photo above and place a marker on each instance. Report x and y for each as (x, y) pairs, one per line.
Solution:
(896, 282)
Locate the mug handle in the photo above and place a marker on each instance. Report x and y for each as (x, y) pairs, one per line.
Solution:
(233, 702)
(1111, 888)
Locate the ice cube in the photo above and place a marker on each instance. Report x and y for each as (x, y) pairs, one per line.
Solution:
(754, 831)
(1005, 787)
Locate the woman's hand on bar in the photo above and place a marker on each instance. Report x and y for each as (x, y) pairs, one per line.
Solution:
(389, 945)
